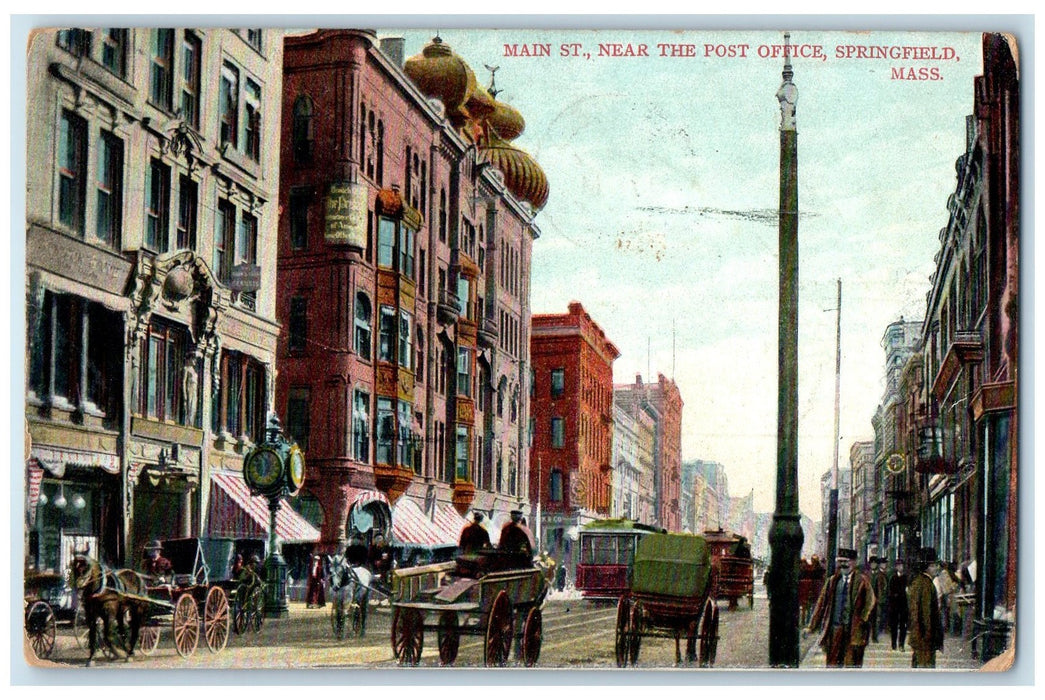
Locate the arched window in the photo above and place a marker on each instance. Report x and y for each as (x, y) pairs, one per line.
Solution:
(442, 215)
(363, 333)
(380, 152)
(303, 129)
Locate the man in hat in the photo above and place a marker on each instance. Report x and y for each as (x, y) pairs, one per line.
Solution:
(517, 541)
(843, 610)
(155, 564)
(925, 627)
(880, 585)
(473, 535)
(897, 606)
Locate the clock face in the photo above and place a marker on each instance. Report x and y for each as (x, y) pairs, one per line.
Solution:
(263, 469)
(297, 467)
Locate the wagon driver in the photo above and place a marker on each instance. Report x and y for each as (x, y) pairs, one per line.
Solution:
(473, 535)
(517, 541)
(155, 564)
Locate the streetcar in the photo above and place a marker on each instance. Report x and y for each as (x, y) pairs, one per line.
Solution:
(607, 550)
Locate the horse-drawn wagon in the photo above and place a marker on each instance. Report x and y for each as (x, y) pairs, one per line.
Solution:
(672, 594)
(44, 593)
(485, 594)
(736, 568)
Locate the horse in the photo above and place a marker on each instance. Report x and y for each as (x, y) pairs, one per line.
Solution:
(104, 593)
(349, 588)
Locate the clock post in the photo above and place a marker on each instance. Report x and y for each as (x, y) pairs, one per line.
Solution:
(274, 469)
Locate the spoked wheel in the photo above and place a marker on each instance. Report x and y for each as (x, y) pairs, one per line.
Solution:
(622, 638)
(635, 627)
(186, 625)
(216, 619)
(239, 615)
(499, 631)
(255, 609)
(708, 634)
(337, 617)
(41, 629)
(148, 639)
(408, 636)
(449, 636)
(533, 632)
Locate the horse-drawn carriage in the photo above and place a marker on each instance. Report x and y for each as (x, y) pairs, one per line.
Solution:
(44, 595)
(810, 580)
(489, 593)
(672, 593)
(736, 568)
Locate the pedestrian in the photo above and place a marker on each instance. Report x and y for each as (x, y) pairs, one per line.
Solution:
(560, 578)
(926, 628)
(897, 606)
(315, 597)
(473, 535)
(880, 584)
(843, 610)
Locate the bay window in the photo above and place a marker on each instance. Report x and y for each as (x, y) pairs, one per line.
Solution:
(385, 430)
(387, 335)
(361, 426)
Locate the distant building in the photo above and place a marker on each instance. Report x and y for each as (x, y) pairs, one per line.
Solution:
(845, 519)
(864, 505)
(634, 459)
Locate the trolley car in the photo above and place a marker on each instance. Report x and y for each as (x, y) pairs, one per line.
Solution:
(607, 548)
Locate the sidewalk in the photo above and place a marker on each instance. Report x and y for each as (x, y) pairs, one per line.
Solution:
(955, 656)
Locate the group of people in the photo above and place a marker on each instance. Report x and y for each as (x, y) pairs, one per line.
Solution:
(515, 540)
(853, 606)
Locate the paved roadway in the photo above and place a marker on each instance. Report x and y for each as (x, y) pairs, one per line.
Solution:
(577, 635)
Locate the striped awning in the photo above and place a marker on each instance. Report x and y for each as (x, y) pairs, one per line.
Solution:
(449, 522)
(34, 478)
(410, 526)
(363, 498)
(55, 460)
(235, 512)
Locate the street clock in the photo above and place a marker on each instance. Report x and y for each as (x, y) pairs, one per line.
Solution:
(263, 469)
(895, 464)
(296, 468)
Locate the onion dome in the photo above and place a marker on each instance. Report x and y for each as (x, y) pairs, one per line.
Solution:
(506, 121)
(481, 104)
(522, 175)
(439, 72)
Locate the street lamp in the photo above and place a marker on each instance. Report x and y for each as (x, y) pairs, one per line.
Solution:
(274, 469)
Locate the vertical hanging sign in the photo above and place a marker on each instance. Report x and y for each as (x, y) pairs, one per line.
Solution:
(346, 214)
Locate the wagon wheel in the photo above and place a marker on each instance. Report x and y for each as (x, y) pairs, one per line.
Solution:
(41, 629)
(499, 631)
(408, 636)
(337, 617)
(692, 630)
(186, 625)
(635, 627)
(449, 636)
(708, 634)
(148, 639)
(216, 619)
(622, 639)
(255, 609)
(533, 632)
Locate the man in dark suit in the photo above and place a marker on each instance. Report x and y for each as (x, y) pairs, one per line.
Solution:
(926, 628)
(880, 584)
(473, 535)
(843, 610)
(517, 541)
(897, 606)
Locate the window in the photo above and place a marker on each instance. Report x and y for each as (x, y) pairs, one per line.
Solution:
(464, 372)
(114, 51)
(555, 486)
(406, 251)
(162, 60)
(247, 252)
(251, 138)
(461, 471)
(72, 176)
(228, 104)
(361, 426)
(385, 430)
(302, 134)
(75, 41)
(462, 297)
(405, 348)
(297, 416)
(224, 240)
(109, 209)
(239, 404)
(190, 80)
(558, 432)
(188, 204)
(362, 326)
(442, 216)
(533, 429)
(299, 204)
(157, 219)
(421, 270)
(254, 38)
(558, 381)
(297, 339)
(386, 239)
(163, 366)
(404, 444)
(387, 335)
(419, 351)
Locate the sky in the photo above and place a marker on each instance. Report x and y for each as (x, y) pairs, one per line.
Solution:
(662, 217)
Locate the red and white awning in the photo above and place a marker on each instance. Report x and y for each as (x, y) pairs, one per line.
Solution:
(410, 526)
(55, 460)
(363, 498)
(235, 512)
(449, 522)
(35, 477)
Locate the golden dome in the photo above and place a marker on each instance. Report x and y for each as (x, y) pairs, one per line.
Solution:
(523, 177)
(439, 72)
(481, 104)
(507, 121)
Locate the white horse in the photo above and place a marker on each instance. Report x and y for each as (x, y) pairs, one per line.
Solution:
(349, 595)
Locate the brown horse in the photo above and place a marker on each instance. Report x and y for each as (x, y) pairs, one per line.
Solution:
(111, 596)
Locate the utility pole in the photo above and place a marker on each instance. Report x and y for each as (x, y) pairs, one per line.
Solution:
(785, 535)
(832, 517)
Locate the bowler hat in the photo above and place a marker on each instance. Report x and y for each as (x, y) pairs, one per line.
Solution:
(153, 546)
(844, 553)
